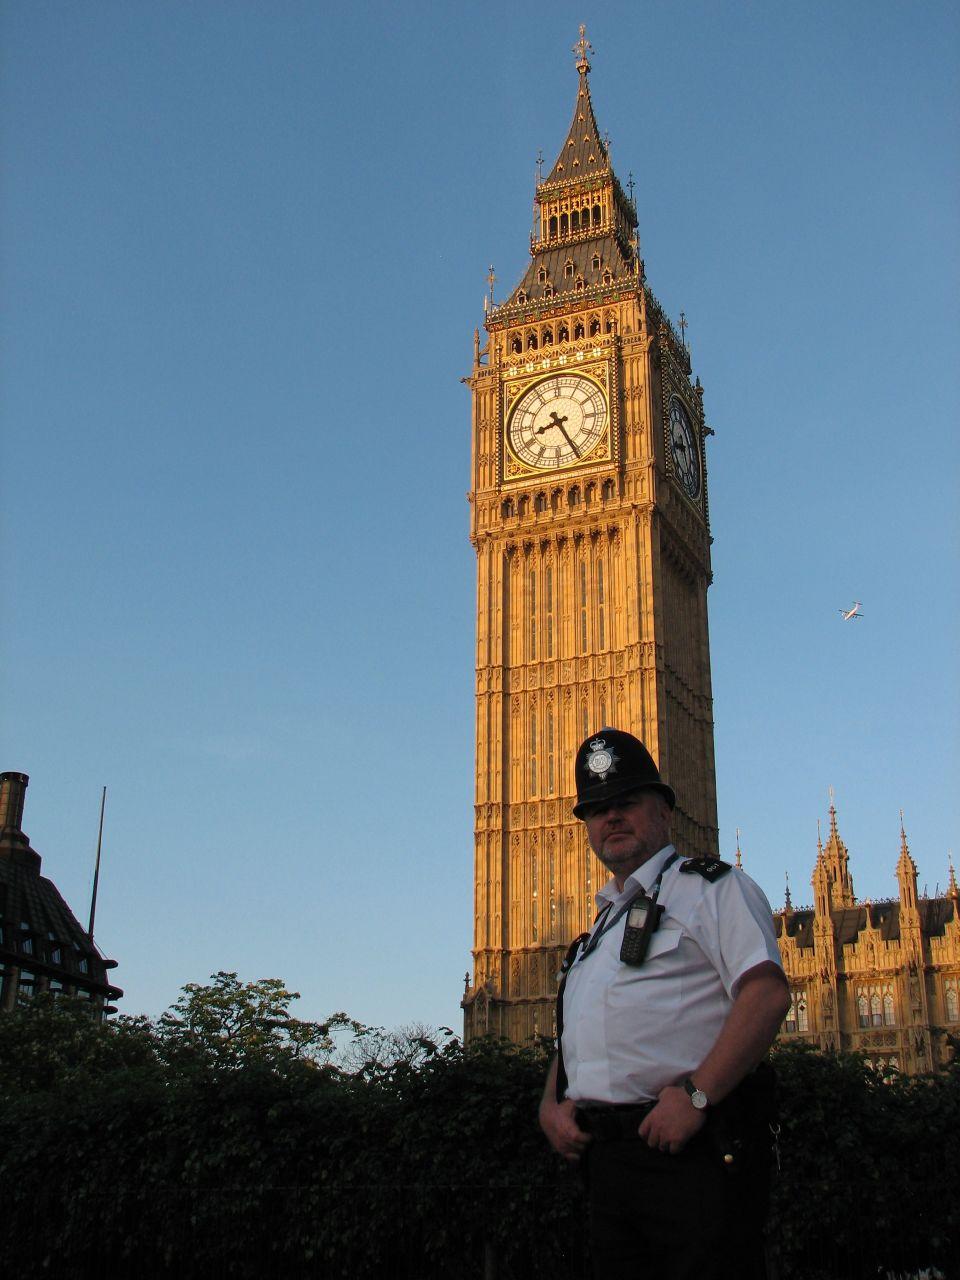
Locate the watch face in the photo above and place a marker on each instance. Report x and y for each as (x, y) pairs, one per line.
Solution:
(558, 421)
(683, 447)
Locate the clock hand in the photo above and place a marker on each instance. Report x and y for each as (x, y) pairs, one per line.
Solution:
(555, 421)
(567, 438)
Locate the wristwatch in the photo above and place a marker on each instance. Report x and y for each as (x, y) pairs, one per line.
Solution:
(697, 1096)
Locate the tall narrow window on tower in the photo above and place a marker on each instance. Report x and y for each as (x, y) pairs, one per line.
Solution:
(548, 592)
(588, 479)
(533, 614)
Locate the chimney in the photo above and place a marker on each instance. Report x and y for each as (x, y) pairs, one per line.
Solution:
(14, 841)
(13, 789)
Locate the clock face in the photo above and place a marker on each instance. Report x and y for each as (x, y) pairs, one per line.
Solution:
(558, 421)
(683, 447)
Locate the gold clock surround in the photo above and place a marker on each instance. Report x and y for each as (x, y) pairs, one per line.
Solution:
(566, 375)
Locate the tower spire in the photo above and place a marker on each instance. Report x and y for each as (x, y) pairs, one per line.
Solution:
(833, 816)
(584, 153)
(834, 862)
(581, 49)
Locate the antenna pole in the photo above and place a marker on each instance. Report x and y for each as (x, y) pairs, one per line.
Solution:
(96, 870)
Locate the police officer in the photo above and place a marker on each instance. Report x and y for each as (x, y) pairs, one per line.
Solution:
(666, 1008)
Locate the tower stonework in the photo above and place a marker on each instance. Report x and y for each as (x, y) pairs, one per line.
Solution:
(590, 522)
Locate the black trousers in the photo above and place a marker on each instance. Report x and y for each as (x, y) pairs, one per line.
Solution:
(685, 1217)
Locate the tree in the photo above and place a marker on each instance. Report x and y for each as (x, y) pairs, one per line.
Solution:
(52, 1042)
(227, 1024)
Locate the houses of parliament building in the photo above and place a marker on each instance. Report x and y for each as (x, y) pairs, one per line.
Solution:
(591, 524)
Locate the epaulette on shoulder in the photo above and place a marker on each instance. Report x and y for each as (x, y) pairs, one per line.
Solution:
(710, 868)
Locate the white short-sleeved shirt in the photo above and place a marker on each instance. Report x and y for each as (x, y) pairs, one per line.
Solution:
(628, 1032)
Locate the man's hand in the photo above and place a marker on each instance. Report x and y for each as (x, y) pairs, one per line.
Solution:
(672, 1122)
(563, 1133)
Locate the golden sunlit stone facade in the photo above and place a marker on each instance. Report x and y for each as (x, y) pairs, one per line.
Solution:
(590, 523)
(881, 978)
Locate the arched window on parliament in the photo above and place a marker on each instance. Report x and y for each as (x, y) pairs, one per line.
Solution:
(548, 606)
(532, 615)
(583, 606)
(601, 608)
(875, 1006)
(796, 1019)
(584, 720)
(534, 780)
(951, 999)
(551, 777)
(602, 711)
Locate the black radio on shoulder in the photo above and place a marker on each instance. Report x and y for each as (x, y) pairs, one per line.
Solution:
(643, 918)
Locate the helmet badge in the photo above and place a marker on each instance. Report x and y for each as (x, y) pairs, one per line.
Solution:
(601, 759)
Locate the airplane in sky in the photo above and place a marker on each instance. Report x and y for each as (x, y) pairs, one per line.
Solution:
(849, 614)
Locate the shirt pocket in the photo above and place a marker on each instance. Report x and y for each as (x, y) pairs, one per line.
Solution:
(662, 943)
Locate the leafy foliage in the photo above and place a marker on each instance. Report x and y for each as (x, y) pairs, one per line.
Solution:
(227, 1024)
(230, 1138)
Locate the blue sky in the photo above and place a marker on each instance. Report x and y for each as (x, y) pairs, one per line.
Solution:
(244, 249)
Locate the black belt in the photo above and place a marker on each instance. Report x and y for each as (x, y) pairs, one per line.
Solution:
(614, 1123)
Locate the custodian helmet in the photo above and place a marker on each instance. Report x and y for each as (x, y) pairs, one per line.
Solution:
(611, 764)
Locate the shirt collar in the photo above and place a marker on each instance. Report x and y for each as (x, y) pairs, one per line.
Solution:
(642, 878)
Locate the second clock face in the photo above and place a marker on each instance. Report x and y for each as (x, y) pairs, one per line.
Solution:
(683, 446)
(558, 421)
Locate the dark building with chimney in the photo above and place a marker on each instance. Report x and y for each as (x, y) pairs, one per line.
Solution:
(43, 947)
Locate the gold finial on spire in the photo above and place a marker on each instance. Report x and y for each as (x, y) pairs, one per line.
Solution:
(739, 858)
(491, 281)
(952, 882)
(787, 901)
(581, 49)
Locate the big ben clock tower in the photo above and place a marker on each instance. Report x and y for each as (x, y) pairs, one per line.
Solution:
(590, 523)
